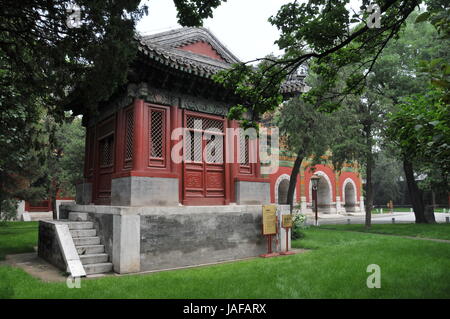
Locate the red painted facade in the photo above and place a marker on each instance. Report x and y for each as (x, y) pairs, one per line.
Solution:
(304, 177)
(43, 205)
(136, 141)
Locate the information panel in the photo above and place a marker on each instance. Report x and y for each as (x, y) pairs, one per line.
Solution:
(269, 219)
(286, 221)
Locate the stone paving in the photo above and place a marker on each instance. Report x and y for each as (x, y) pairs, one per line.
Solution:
(358, 218)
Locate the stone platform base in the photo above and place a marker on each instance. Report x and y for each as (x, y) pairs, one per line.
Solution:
(139, 239)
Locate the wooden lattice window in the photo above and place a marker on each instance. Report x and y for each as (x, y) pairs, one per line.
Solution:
(129, 130)
(157, 137)
(205, 124)
(244, 154)
(106, 145)
(214, 149)
(204, 128)
(193, 146)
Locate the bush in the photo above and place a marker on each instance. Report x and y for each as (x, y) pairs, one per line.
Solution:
(298, 224)
(8, 209)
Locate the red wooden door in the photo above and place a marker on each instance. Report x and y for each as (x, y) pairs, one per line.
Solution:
(105, 162)
(204, 169)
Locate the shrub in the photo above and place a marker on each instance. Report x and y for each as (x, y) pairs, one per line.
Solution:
(298, 224)
(8, 210)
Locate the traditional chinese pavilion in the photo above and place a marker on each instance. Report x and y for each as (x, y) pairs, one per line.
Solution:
(139, 207)
(129, 144)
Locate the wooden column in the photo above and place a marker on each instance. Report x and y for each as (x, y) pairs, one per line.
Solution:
(140, 159)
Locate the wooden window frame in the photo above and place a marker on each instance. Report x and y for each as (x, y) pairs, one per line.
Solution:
(159, 162)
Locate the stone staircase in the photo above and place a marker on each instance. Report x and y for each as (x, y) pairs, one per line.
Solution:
(91, 251)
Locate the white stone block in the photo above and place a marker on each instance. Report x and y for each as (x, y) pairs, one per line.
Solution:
(68, 250)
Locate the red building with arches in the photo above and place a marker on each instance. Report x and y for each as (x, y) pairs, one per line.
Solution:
(337, 193)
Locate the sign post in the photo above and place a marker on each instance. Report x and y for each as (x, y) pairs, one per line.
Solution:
(269, 227)
(286, 223)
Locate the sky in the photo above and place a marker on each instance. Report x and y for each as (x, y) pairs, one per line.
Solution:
(241, 25)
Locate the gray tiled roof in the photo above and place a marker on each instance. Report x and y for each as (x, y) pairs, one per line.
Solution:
(163, 48)
(183, 36)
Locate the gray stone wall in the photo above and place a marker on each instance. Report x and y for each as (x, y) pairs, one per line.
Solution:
(189, 237)
(103, 223)
(144, 191)
(48, 246)
(252, 193)
(161, 237)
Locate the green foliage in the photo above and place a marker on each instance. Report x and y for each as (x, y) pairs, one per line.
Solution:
(66, 159)
(387, 175)
(192, 12)
(44, 67)
(323, 32)
(47, 67)
(421, 129)
(23, 140)
(304, 128)
(8, 210)
(298, 225)
(256, 99)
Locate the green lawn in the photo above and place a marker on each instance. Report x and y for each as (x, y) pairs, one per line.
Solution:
(17, 237)
(334, 268)
(438, 231)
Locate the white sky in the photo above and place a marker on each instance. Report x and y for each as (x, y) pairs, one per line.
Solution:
(241, 25)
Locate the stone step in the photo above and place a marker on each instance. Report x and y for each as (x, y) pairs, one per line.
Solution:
(98, 268)
(94, 259)
(78, 216)
(80, 225)
(83, 233)
(35, 216)
(84, 241)
(90, 249)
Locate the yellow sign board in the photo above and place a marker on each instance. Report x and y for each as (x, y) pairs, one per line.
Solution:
(286, 221)
(269, 219)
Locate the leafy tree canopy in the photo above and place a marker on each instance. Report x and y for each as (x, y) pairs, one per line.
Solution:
(56, 55)
(329, 34)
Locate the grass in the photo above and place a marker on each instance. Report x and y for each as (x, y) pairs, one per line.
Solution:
(437, 231)
(334, 268)
(17, 237)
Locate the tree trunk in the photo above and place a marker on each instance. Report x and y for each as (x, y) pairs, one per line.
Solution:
(369, 168)
(293, 180)
(414, 192)
(369, 190)
(433, 198)
(53, 204)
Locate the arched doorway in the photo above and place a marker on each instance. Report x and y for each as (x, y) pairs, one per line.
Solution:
(282, 192)
(349, 195)
(281, 189)
(324, 193)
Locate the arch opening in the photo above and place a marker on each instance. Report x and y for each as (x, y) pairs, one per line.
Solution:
(283, 191)
(323, 195)
(350, 197)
